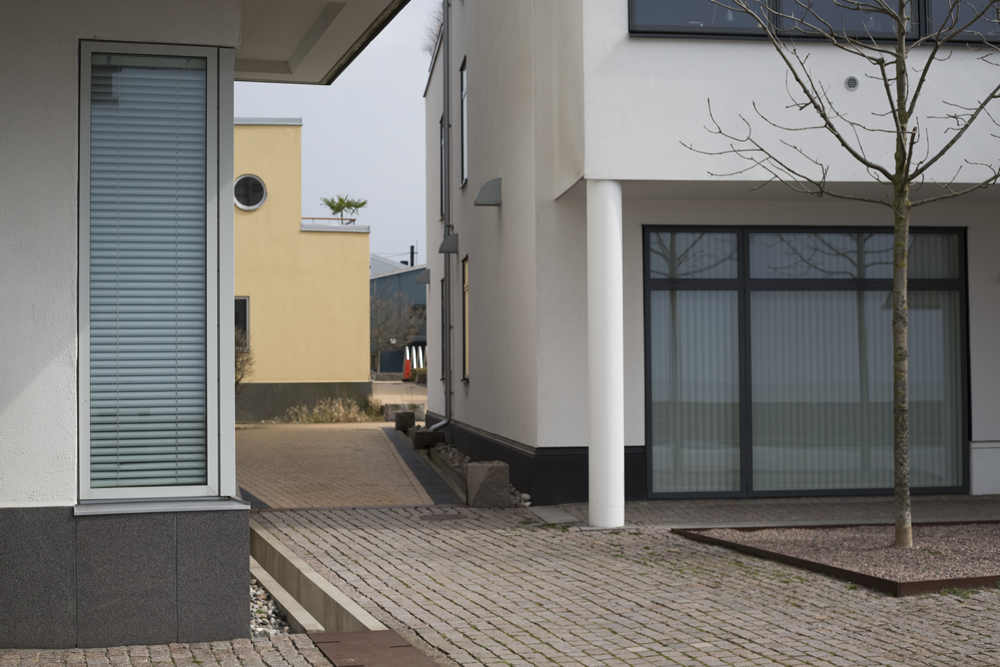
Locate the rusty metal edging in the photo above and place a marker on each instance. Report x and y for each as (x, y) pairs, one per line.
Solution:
(895, 588)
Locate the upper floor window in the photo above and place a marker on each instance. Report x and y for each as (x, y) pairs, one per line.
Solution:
(465, 124)
(802, 18)
(249, 192)
(441, 165)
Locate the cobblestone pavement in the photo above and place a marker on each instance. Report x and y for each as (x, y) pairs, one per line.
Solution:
(290, 651)
(759, 511)
(324, 465)
(497, 588)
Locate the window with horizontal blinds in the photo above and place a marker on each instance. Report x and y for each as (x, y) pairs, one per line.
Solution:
(148, 294)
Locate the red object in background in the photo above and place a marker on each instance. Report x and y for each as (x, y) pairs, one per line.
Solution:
(407, 369)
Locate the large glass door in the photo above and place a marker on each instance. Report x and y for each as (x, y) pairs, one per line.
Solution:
(769, 361)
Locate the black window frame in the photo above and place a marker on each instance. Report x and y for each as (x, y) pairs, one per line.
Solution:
(921, 28)
(246, 316)
(744, 285)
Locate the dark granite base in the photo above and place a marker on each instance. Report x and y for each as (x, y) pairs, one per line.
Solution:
(267, 400)
(122, 579)
(552, 475)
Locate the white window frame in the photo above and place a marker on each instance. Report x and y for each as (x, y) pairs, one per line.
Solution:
(221, 446)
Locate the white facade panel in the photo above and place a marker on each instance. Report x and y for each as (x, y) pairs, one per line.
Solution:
(38, 221)
(645, 97)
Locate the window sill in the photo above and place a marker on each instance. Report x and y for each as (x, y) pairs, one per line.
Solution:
(95, 507)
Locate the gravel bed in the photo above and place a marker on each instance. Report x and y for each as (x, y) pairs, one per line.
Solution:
(266, 619)
(939, 552)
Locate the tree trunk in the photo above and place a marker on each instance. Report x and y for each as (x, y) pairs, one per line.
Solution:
(900, 369)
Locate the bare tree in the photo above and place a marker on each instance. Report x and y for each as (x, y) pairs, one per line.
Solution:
(394, 323)
(244, 360)
(432, 28)
(881, 34)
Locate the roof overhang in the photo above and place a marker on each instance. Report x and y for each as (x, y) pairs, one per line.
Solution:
(306, 41)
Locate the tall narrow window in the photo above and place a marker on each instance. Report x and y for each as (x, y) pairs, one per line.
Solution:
(242, 323)
(441, 167)
(146, 378)
(465, 318)
(465, 124)
(445, 332)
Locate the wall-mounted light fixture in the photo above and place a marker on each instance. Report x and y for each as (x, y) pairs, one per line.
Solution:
(489, 194)
(450, 245)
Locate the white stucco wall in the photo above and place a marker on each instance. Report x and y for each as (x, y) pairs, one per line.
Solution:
(645, 96)
(499, 396)
(39, 115)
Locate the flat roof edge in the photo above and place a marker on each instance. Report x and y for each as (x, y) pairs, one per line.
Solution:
(267, 121)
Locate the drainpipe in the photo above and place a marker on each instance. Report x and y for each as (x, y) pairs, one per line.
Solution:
(448, 228)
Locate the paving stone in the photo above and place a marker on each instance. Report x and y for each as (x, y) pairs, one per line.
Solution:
(323, 465)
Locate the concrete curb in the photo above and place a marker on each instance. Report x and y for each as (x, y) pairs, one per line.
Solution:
(325, 603)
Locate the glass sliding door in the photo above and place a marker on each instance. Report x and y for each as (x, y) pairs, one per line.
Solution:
(769, 361)
(822, 390)
(695, 403)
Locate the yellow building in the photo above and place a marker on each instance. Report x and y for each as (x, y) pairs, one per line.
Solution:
(301, 285)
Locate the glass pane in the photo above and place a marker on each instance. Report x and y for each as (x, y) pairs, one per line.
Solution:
(933, 256)
(822, 390)
(690, 16)
(865, 256)
(935, 389)
(674, 255)
(823, 16)
(949, 15)
(148, 407)
(694, 357)
(820, 256)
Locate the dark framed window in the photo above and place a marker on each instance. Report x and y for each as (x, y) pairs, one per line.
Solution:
(242, 325)
(441, 166)
(465, 318)
(465, 123)
(709, 18)
(769, 361)
(249, 192)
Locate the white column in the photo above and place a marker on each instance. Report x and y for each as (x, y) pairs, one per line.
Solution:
(606, 354)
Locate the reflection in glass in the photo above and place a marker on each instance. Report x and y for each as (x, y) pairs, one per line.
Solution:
(944, 14)
(691, 16)
(821, 387)
(816, 256)
(840, 256)
(694, 357)
(811, 16)
(674, 255)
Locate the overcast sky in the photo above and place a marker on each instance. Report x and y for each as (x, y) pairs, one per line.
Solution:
(363, 135)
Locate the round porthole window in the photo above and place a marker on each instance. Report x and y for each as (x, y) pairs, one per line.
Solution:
(249, 192)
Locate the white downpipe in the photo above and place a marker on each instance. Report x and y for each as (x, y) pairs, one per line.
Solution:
(606, 353)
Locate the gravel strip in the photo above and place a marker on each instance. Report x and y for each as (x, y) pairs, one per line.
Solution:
(939, 552)
(266, 619)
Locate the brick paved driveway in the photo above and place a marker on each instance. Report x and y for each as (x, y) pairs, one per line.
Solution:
(324, 465)
(497, 588)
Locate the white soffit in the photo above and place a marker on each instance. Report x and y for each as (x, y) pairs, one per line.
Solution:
(306, 41)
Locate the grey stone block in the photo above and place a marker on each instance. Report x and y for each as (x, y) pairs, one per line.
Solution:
(213, 576)
(37, 578)
(126, 579)
(427, 439)
(404, 420)
(488, 484)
